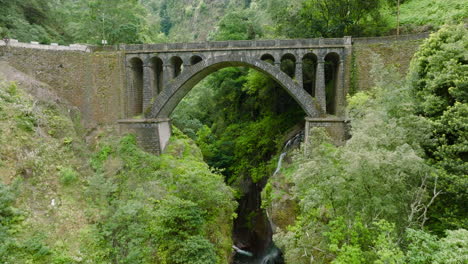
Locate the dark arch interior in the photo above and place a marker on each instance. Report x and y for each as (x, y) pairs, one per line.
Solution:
(157, 75)
(195, 59)
(136, 91)
(332, 61)
(176, 63)
(288, 64)
(268, 58)
(309, 67)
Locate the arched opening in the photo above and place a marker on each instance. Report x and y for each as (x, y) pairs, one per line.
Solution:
(177, 66)
(157, 76)
(195, 59)
(309, 64)
(136, 88)
(175, 92)
(288, 64)
(332, 61)
(268, 58)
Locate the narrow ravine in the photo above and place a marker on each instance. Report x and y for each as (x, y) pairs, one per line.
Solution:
(253, 230)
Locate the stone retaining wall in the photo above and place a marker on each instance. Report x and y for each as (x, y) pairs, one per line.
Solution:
(53, 46)
(93, 82)
(397, 51)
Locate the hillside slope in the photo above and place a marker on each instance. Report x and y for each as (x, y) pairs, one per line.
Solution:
(70, 198)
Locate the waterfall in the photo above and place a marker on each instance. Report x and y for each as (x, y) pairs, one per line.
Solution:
(268, 253)
(292, 142)
(280, 160)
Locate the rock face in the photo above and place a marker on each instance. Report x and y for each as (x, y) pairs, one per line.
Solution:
(252, 229)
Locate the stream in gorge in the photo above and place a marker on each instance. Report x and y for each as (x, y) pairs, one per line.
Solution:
(253, 228)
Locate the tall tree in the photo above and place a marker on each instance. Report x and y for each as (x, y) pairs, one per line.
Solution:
(441, 86)
(323, 18)
(118, 21)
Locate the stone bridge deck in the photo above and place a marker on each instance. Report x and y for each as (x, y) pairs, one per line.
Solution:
(239, 45)
(158, 76)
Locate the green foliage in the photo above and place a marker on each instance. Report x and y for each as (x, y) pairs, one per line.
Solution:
(196, 250)
(121, 21)
(112, 217)
(159, 208)
(12, 249)
(179, 230)
(244, 112)
(321, 18)
(8, 218)
(238, 25)
(421, 246)
(67, 175)
(358, 196)
(30, 20)
(426, 248)
(431, 13)
(26, 121)
(166, 23)
(438, 77)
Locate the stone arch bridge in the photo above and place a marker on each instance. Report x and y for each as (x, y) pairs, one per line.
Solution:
(158, 76)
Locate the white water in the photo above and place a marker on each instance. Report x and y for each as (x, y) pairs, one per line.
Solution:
(242, 252)
(289, 144)
(280, 161)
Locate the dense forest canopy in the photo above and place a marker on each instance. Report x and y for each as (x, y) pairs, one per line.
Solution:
(147, 21)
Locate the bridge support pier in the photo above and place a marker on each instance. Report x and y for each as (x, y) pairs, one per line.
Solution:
(337, 128)
(152, 134)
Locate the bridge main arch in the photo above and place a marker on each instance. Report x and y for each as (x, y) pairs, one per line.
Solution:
(170, 71)
(177, 89)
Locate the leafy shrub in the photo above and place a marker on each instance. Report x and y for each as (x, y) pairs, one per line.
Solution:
(167, 208)
(194, 250)
(68, 175)
(424, 248)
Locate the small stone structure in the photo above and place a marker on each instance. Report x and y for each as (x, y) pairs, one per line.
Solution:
(160, 75)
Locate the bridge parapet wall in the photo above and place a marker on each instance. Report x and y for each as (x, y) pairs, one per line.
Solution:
(240, 44)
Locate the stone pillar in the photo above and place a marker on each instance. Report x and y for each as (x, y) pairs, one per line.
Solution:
(320, 84)
(299, 74)
(340, 89)
(129, 91)
(336, 128)
(148, 77)
(152, 134)
(168, 74)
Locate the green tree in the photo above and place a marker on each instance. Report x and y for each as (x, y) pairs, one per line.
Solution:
(440, 84)
(238, 25)
(166, 22)
(120, 21)
(322, 18)
(362, 196)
